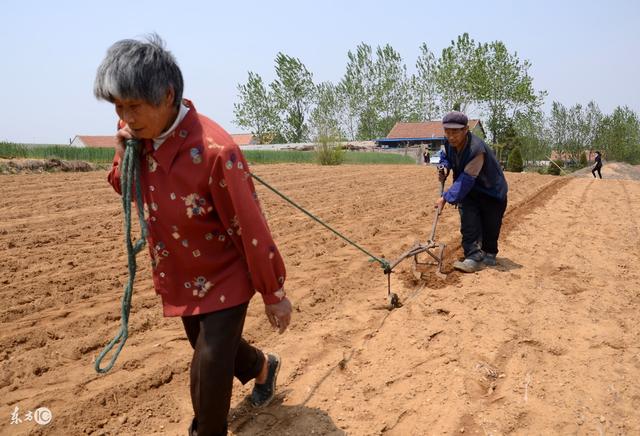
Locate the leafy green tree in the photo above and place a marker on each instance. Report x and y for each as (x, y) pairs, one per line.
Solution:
(564, 130)
(391, 91)
(510, 138)
(590, 124)
(325, 116)
(374, 92)
(457, 73)
(514, 163)
(583, 160)
(256, 109)
(503, 86)
(423, 87)
(349, 112)
(619, 135)
(574, 130)
(294, 94)
(355, 92)
(532, 133)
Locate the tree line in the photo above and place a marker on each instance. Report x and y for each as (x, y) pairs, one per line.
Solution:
(376, 91)
(574, 133)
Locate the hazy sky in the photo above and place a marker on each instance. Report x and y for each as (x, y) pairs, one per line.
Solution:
(579, 50)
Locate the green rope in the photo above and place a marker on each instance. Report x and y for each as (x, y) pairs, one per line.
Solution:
(129, 177)
(385, 265)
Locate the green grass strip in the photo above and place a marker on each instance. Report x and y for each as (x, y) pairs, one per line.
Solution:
(10, 150)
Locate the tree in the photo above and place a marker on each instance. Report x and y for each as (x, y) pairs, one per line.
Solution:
(456, 74)
(514, 163)
(574, 130)
(347, 96)
(256, 110)
(564, 128)
(503, 86)
(591, 121)
(510, 138)
(325, 117)
(619, 135)
(391, 91)
(355, 92)
(583, 160)
(423, 87)
(532, 134)
(374, 91)
(294, 93)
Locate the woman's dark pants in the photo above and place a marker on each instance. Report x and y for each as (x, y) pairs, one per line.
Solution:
(219, 354)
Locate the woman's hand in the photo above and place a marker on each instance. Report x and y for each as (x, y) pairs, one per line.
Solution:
(279, 314)
(122, 135)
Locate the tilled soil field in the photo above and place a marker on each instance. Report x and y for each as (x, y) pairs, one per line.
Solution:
(547, 342)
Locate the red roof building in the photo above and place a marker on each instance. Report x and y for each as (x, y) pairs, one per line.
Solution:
(243, 138)
(426, 130)
(94, 141)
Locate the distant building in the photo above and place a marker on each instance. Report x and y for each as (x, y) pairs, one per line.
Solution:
(83, 141)
(244, 138)
(110, 141)
(429, 133)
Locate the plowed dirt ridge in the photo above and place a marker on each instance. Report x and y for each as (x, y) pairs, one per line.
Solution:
(544, 343)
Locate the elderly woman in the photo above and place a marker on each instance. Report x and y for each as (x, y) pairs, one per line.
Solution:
(209, 242)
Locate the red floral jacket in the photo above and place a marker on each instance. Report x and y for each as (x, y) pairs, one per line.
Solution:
(210, 245)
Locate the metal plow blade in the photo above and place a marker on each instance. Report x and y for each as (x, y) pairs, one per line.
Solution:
(433, 249)
(434, 261)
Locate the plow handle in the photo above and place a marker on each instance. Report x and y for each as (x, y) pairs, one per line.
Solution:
(439, 210)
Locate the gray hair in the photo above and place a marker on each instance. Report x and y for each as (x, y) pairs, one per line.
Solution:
(139, 70)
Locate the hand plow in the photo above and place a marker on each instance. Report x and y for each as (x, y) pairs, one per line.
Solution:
(432, 248)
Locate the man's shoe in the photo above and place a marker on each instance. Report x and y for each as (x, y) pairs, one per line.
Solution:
(468, 265)
(264, 393)
(489, 259)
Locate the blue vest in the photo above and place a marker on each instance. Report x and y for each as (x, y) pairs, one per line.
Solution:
(491, 179)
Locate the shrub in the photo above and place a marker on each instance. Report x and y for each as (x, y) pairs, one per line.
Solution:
(514, 163)
(328, 151)
(583, 160)
(554, 170)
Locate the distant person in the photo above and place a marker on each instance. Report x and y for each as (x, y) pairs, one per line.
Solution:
(479, 189)
(597, 166)
(427, 157)
(210, 246)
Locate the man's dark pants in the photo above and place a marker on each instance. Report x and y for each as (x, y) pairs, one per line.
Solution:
(480, 222)
(219, 354)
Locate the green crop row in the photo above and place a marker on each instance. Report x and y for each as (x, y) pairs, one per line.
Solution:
(10, 150)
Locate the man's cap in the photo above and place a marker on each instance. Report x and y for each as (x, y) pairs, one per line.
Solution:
(455, 120)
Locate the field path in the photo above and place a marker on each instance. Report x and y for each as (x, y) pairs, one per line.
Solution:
(545, 343)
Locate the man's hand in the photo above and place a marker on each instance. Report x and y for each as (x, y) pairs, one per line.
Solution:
(122, 135)
(440, 202)
(279, 314)
(442, 173)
